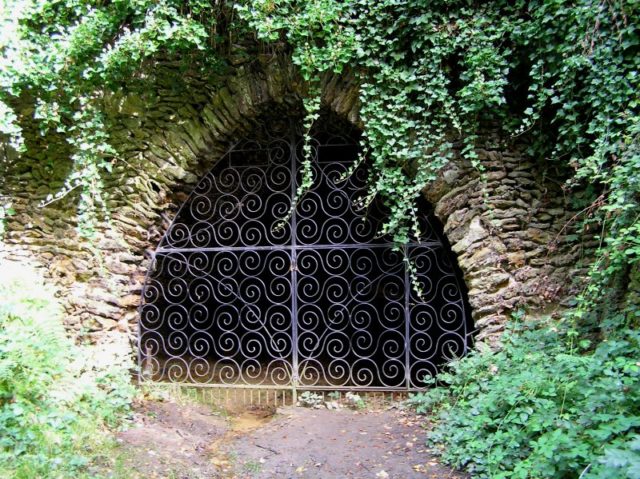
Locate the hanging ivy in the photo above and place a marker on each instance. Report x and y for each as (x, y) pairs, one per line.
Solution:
(431, 72)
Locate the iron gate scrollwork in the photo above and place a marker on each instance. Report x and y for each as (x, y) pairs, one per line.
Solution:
(237, 297)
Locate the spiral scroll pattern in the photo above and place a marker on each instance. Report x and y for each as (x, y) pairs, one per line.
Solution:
(245, 291)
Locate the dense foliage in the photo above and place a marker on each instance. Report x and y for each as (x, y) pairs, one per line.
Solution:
(545, 406)
(55, 398)
(433, 73)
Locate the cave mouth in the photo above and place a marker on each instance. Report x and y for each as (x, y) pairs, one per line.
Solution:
(245, 290)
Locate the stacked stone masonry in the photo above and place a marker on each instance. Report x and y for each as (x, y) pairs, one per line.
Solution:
(509, 226)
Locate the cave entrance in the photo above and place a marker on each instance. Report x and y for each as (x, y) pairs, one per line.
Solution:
(244, 291)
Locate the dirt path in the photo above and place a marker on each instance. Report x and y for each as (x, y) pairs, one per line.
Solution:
(194, 442)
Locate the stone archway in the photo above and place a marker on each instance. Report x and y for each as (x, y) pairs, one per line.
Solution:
(509, 227)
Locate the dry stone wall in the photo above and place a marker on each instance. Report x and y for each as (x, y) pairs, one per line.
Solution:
(508, 227)
(514, 232)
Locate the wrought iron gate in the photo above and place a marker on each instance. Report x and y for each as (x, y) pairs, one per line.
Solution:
(236, 296)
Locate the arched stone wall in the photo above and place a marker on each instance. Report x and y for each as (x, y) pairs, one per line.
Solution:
(514, 232)
(508, 227)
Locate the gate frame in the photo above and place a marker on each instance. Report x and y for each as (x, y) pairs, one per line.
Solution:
(292, 247)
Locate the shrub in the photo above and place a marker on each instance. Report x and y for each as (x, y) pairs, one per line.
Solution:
(541, 407)
(55, 397)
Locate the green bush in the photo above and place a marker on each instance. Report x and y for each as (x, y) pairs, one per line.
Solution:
(541, 407)
(55, 397)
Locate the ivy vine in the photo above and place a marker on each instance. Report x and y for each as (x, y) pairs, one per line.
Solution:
(432, 74)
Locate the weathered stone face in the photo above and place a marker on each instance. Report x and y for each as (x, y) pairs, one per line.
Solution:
(512, 229)
(508, 226)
